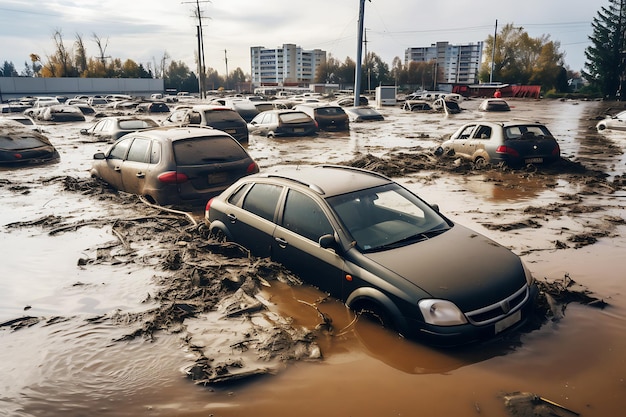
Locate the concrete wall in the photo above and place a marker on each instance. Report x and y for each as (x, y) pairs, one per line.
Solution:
(16, 87)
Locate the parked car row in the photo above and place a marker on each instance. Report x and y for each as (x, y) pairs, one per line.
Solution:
(355, 234)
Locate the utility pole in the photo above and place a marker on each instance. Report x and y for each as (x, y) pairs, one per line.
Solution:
(226, 61)
(201, 64)
(359, 56)
(493, 51)
(368, 64)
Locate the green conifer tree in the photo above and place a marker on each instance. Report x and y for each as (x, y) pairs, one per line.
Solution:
(606, 58)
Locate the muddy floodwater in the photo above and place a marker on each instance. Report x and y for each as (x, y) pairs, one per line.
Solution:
(112, 307)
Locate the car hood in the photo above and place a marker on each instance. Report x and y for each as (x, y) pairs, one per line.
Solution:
(459, 265)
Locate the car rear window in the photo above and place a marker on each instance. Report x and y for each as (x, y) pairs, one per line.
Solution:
(136, 124)
(516, 132)
(222, 116)
(330, 111)
(293, 117)
(264, 107)
(206, 150)
(23, 142)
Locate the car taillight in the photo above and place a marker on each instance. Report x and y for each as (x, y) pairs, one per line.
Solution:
(253, 168)
(208, 205)
(507, 150)
(557, 150)
(172, 177)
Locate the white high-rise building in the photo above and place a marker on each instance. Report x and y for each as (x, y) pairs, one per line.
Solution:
(290, 64)
(457, 63)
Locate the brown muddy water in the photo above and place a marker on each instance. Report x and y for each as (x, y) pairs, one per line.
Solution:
(102, 317)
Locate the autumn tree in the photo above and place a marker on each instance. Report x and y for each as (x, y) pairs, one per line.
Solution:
(521, 59)
(605, 66)
(36, 64)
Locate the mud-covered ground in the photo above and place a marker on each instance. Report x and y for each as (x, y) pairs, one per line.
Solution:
(111, 306)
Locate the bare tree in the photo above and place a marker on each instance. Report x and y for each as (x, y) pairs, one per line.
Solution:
(102, 48)
(80, 57)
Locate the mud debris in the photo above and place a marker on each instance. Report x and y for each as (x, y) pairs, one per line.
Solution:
(202, 280)
(527, 404)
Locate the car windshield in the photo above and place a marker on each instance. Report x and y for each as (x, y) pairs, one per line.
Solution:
(386, 217)
(207, 150)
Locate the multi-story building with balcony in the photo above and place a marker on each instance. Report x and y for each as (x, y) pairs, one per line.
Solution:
(289, 64)
(456, 63)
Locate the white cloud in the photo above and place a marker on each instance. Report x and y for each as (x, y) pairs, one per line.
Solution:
(143, 30)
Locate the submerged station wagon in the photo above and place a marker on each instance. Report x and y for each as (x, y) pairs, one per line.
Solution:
(381, 249)
(512, 143)
(182, 166)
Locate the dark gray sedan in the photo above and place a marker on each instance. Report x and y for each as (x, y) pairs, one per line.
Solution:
(381, 249)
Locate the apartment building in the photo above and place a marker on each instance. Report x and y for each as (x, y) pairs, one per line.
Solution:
(289, 64)
(457, 63)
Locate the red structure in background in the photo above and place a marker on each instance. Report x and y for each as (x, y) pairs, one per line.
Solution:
(506, 90)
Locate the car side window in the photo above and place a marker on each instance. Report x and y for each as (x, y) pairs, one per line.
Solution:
(262, 200)
(139, 150)
(483, 132)
(118, 151)
(466, 133)
(304, 216)
(235, 198)
(155, 153)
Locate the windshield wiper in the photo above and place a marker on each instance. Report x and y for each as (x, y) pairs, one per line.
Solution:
(418, 237)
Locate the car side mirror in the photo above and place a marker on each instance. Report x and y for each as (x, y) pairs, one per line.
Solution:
(327, 241)
(99, 155)
(435, 207)
(84, 132)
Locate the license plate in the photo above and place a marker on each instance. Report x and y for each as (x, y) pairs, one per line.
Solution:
(509, 321)
(298, 129)
(218, 178)
(534, 160)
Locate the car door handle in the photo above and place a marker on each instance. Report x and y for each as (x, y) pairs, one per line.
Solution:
(140, 175)
(117, 169)
(281, 242)
(232, 217)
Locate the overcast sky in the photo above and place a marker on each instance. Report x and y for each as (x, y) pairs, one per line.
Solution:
(144, 30)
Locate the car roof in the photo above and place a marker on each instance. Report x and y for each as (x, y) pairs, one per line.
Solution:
(173, 133)
(205, 107)
(508, 123)
(327, 180)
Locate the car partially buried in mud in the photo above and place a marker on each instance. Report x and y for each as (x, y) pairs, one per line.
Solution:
(182, 166)
(514, 143)
(21, 145)
(381, 249)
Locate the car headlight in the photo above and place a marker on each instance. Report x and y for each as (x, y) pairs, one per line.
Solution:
(441, 313)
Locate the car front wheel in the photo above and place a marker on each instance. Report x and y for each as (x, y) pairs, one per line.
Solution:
(374, 313)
